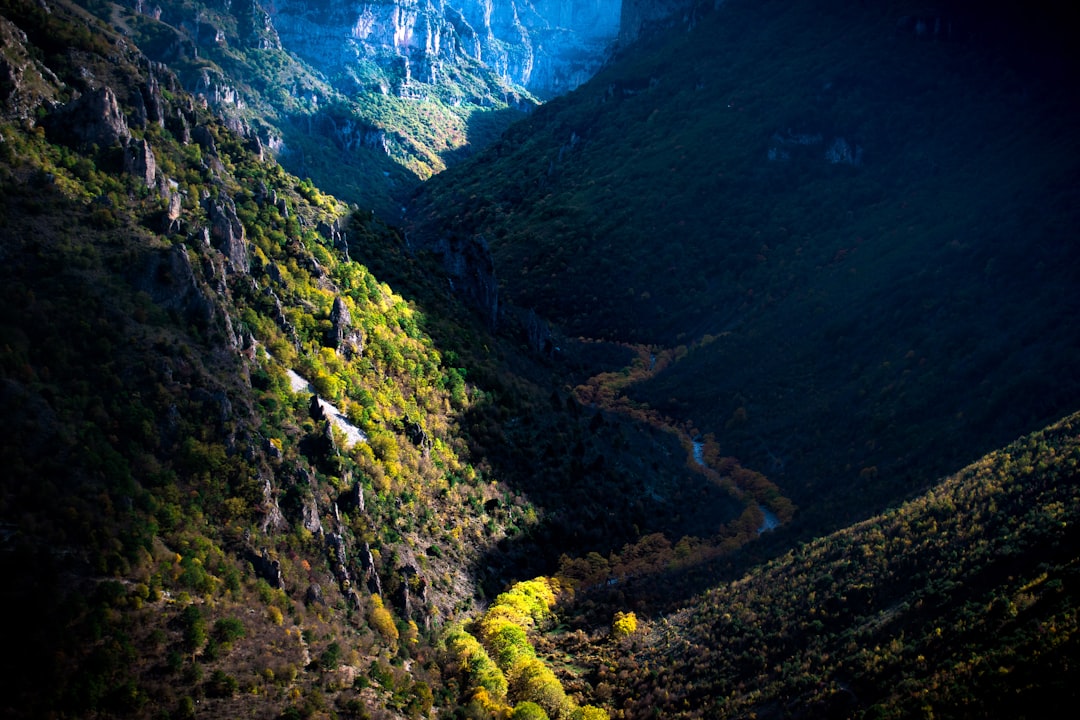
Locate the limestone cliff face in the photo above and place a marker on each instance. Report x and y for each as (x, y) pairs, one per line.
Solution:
(546, 46)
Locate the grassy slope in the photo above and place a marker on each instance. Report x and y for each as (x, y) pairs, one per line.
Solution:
(852, 317)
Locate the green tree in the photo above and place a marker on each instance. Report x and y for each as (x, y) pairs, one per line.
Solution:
(194, 628)
(528, 711)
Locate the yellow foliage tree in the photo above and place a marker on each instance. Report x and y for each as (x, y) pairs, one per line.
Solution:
(383, 622)
(625, 624)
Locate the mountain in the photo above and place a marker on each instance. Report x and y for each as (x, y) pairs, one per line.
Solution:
(547, 47)
(368, 99)
(844, 228)
(267, 455)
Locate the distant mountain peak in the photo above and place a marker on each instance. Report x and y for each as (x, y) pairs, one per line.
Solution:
(547, 47)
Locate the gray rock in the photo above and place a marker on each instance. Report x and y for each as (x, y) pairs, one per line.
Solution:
(314, 595)
(273, 519)
(24, 83)
(92, 119)
(139, 161)
(227, 232)
(371, 575)
(340, 323)
(546, 46)
(268, 569)
(335, 544)
(202, 137)
(310, 517)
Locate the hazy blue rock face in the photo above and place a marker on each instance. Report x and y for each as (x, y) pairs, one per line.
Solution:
(546, 46)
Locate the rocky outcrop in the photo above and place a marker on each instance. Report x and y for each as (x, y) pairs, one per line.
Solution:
(227, 232)
(310, 517)
(254, 27)
(367, 567)
(217, 91)
(412, 593)
(23, 83)
(314, 595)
(273, 519)
(546, 46)
(267, 568)
(139, 161)
(342, 336)
(169, 279)
(94, 118)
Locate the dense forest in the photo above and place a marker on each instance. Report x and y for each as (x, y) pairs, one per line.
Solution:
(739, 382)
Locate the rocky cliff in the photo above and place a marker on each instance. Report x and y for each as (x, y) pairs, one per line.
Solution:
(546, 46)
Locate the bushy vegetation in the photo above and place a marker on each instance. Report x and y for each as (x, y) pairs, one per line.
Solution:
(954, 604)
(184, 531)
(825, 314)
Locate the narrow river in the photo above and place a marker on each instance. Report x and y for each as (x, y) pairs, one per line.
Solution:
(770, 522)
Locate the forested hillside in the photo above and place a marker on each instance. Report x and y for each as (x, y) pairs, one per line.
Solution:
(848, 224)
(960, 603)
(266, 455)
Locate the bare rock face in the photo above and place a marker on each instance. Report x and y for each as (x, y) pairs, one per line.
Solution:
(340, 322)
(268, 569)
(24, 84)
(254, 26)
(93, 119)
(139, 161)
(367, 567)
(546, 46)
(273, 518)
(310, 515)
(227, 232)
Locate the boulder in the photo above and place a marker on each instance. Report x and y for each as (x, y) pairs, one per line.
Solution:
(314, 595)
(268, 569)
(310, 517)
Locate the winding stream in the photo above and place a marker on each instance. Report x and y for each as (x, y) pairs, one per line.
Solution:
(770, 522)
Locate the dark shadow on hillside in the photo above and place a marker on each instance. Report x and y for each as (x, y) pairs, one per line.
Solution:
(599, 481)
(484, 128)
